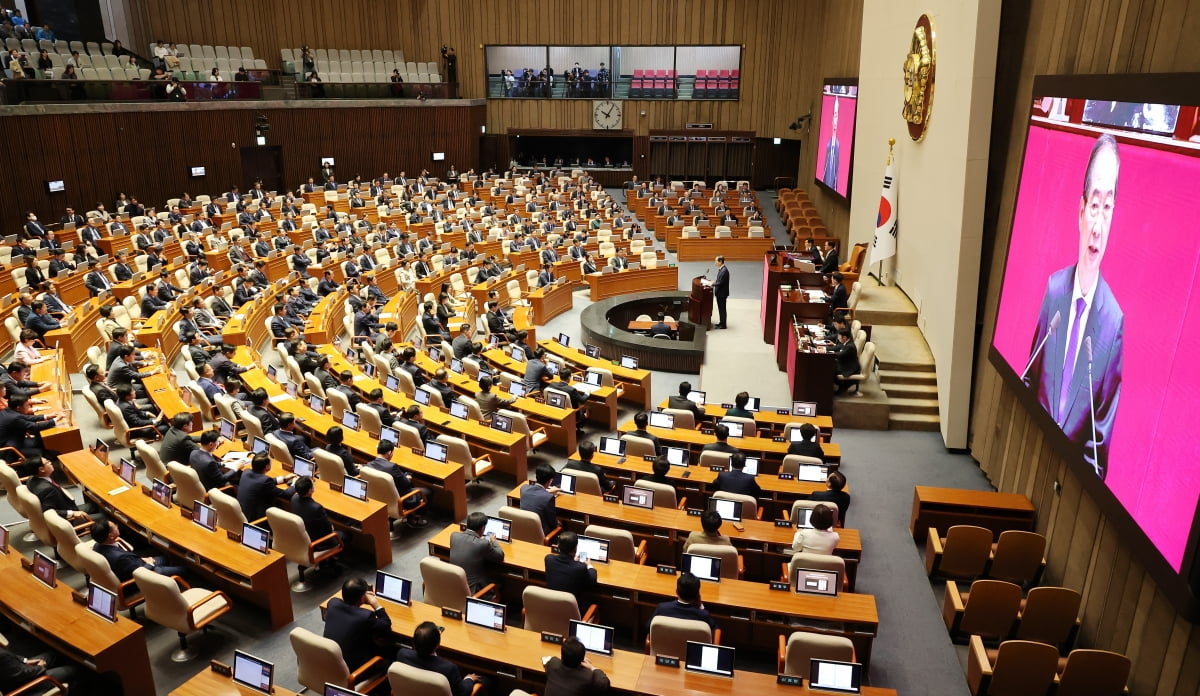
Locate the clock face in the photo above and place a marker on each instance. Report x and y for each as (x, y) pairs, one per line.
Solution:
(606, 114)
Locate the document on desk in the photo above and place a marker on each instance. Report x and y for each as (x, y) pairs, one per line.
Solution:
(279, 397)
(234, 460)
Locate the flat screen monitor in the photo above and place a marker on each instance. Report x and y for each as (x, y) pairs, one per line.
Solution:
(730, 510)
(350, 419)
(128, 472)
(595, 638)
(696, 397)
(204, 515)
(638, 497)
(830, 675)
(290, 388)
(804, 409)
(753, 404)
(253, 672)
(271, 371)
(593, 378)
(794, 435)
(704, 567)
(751, 466)
(499, 527)
(335, 690)
(390, 434)
(486, 614)
(835, 139)
(102, 602)
(435, 353)
(226, 429)
(369, 368)
(677, 456)
(557, 400)
(814, 581)
(456, 365)
(612, 445)
(658, 419)
(458, 410)
(439, 156)
(592, 549)
(260, 446)
(421, 396)
(502, 423)
(56, 186)
(564, 340)
(393, 587)
(256, 538)
(304, 467)
(392, 382)
(811, 472)
(1109, 412)
(736, 429)
(355, 488)
(316, 403)
(804, 518)
(44, 569)
(161, 493)
(516, 388)
(565, 482)
(517, 352)
(629, 362)
(435, 451)
(591, 351)
(709, 658)
(198, 171)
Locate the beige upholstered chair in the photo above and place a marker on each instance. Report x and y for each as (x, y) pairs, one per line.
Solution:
(526, 525)
(750, 509)
(319, 661)
(551, 610)
(413, 681)
(99, 572)
(732, 564)
(382, 487)
(669, 636)
(184, 611)
(445, 584)
(188, 488)
(289, 537)
(620, 543)
(664, 494)
(798, 649)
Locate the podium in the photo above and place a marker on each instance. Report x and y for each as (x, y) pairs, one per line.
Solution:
(700, 303)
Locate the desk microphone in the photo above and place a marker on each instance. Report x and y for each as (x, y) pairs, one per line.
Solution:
(1053, 325)
(1087, 344)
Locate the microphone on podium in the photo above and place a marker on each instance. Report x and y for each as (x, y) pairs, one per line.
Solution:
(1087, 345)
(1054, 322)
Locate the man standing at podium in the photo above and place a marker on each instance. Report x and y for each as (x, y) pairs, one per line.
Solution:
(721, 291)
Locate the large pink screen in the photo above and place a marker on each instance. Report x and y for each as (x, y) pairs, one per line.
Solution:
(837, 174)
(1152, 263)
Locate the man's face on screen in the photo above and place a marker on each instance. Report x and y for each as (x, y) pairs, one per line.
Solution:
(1095, 217)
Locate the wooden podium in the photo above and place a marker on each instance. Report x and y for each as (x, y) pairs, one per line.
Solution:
(700, 303)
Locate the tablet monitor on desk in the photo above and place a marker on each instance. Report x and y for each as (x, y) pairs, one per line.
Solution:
(751, 466)
(501, 423)
(499, 527)
(303, 467)
(102, 602)
(271, 371)
(128, 472)
(696, 397)
(390, 434)
(830, 675)
(629, 362)
(369, 369)
(804, 409)
(517, 352)
(818, 582)
(335, 690)
(44, 569)
(612, 445)
(804, 518)
(658, 419)
(591, 351)
(516, 388)
(204, 515)
(355, 487)
(794, 435)
(638, 497)
(729, 510)
(557, 400)
(459, 410)
(226, 429)
(593, 378)
(260, 446)
(252, 672)
(392, 382)
(812, 472)
(435, 451)
(564, 340)
(161, 493)
(421, 396)
(486, 614)
(592, 549)
(456, 365)
(393, 587)
(709, 658)
(704, 567)
(256, 538)
(595, 638)
(678, 456)
(736, 428)
(316, 403)
(435, 353)
(752, 404)
(290, 388)
(565, 482)
(350, 419)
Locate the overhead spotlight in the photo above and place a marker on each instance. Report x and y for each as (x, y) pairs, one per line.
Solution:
(801, 121)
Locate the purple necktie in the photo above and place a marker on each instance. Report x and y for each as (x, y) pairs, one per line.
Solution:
(1069, 363)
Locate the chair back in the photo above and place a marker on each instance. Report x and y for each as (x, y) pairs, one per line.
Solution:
(683, 418)
(549, 610)
(330, 467)
(749, 504)
(338, 403)
(521, 425)
(9, 480)
(586, 482)
(435, 396)
(409, 436)
(712, 458)
(664, 494)
(97, 568)
(727, 554)
(638, 446)
(965, 552)
(991, 609)
(65, 540)
(229, 512)
(606, 376)
(473, 411)
(382, 487)
(526, 525)
(1093, 673)
(799, 505)
(92, 401)
(155, 469)
(314, 386)
(749, 426)
(1050, 615)
(382, 368)
(165, 604)
(289, 537)
(620, 542)
(670, 636)
(407, 386)
(802, 647)
(445, 583)
(31, 509)
(253, 425)
(1023, 668)
(413, 681)
(187, 484)
(1018, 557)
(817, 561)
(279, 451)
(120, 428)
(224, 404)
(318, 660)
(792, 462)
(371, 421)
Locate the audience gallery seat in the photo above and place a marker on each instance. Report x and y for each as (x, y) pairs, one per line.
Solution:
(989, 609)
(962, 555)
(1017, 668)
(1018, 557)
(1093, 673)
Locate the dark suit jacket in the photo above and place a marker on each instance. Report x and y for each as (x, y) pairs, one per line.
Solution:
(52, 496)
(433, 663)
(14, 426)
(1106, 329)
(354, 629)
(562, 680)
(677, 610)
(839, 498)
(538, 500)
(721, 284)
(605, 484)
(14, 672)
(256, 492)
(807, 449)
(840, 299)
(566, 574)
(474, 554)
(176, 446)
(212, 474)
(122, 562)
(734, 481)
(682, 403)
(399, 476)
(296, 443)
(316, 520)
(831, 262)
(846, 355)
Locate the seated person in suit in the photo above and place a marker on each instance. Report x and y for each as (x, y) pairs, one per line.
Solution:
(835, 494)
(152, 303)
(578, 397)
(423, 655)
(297, 442)
(539, 497)
(489, 402)
(52, 496)
(680, 401)
(640, 420)
(256, 491)
(839, 299)
(739, 406)
(362, 632)
(661, 327)
(211, 472)
(475, 553)
(722, 444)
(847, 365)
(574, 674)
(96, 374)
(177, 444)
(258, 399)
(316, 520)
(404, 483)
(821, 538)
(123, 561)
(335, 444)
(735, 480)
(587, 450)
(831, 257)
(135, 417)
(710, 523)
(659, 470)
(687, 604)
(441, 383)
(566, 573)
(809, 444)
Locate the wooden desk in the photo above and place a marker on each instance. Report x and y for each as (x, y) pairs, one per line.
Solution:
(605, 285)
(775, 275)
(50, 615)
(793, 306)
(169, 398)
(647, 325)
(81, 334)
(769, 419)
(751, 615)
(732, 248)
(325, 320)
(209, 683)
(767, 449)
(549, 302)
(65, 437)
(602, 402)
(261, 579)
(635, 384)
(942, 508)
(810, 373)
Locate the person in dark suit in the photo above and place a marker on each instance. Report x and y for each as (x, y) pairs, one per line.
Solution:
(722, 444)
(177, 445)
(835, 493)
(539, 497)
(404, 483)
(33, 228)
(17, 671)
(297, 443)
(257, 398)
(327, 285)
(95, 375)
(52, 496)
(21, 429)
(316, 519)
(846, 359)
(739, 409)
(680, 401)
(735, 480)
(565, 573)
(135, 417)
(809, 444)
(721, 291)
(441, 383)
(151, 303)
(362, 632)
(687, 604)
(474, 552)
(209, 469)
(831, 257)
(256, 491)
(423, 655)
(1077, 350)
(121, 560)
(574, 674)
(640, 421)
(587, 450)
(40, 320)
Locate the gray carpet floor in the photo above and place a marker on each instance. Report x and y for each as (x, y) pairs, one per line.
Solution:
(912, 653)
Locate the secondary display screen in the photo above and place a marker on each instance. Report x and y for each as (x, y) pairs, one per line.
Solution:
(835, 142)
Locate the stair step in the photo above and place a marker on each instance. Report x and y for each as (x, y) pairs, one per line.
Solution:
(909, 391)
(906, 367)
(902, 376)
(925, 406)
(913, 421)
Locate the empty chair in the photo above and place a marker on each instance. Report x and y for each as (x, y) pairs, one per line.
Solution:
(683, 418)
(445, 584)
(750, 509)
(319, 661)
(526, 525)
(414, 681)
(534, 437)
(733, 566)
(796, 651)
(1018, 557)
(330, 468)
(962, 555)
(382, 487)
(551, 610)
(184, 611)
(458, 452)
(1050, 615)
(289, 537)
(670, 636)
(155, 469)
(188, 488)
(620, 543)
(989, 609)
(586, 482)
(229, 513)
(664, 494)
(66, 540)
(1093, 673)
(1020, 668)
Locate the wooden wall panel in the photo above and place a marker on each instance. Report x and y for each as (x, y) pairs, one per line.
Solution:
(1123, 609)
(146, 151)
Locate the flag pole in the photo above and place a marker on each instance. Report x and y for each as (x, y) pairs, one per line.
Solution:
(891, 152)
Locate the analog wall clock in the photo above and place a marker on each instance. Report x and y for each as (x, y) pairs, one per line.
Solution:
(606, 114)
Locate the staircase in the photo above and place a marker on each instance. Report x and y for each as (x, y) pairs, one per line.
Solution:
(912, 394)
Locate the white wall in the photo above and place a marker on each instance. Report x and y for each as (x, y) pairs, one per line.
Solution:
(941, 179)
